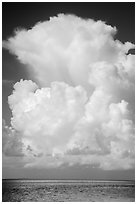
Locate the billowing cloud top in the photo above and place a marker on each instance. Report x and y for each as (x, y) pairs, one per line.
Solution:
(80, 109)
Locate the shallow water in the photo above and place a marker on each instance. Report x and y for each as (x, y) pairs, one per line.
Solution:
(67, 191)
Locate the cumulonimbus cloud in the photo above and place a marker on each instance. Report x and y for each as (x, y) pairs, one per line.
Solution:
(80, 109)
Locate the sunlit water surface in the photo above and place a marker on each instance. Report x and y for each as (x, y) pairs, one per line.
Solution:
(67, 191)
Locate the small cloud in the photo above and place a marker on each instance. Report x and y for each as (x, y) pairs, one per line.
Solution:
(11, 142)
(7, 82)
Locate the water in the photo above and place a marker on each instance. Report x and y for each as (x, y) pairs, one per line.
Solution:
(67, 191)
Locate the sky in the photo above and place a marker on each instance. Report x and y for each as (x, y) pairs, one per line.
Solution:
(68, 90)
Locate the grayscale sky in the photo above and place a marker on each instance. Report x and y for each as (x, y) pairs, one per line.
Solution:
(68, 90)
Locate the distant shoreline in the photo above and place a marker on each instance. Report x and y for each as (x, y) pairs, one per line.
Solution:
(69, 180)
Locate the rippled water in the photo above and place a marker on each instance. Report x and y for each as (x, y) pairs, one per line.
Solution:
(67, 190)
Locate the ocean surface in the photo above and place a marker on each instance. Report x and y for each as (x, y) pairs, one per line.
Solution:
(67, 191)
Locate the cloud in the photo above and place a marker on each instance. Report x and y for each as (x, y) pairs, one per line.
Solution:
(15, 148)
(80, 109)
(11, 143)
(6, 82)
